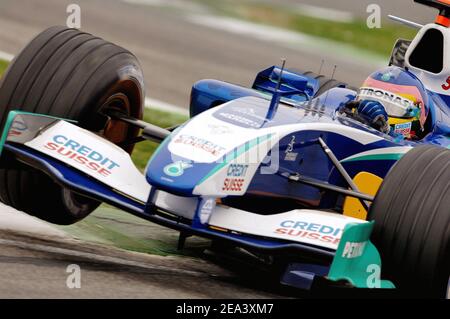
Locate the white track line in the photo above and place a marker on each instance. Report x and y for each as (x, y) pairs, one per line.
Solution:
(176, 4)
(149, 103)
(324, 13)
(166, 107)
(14, 220)
(6, 56)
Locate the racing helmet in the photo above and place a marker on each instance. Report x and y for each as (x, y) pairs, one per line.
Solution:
(403, 96)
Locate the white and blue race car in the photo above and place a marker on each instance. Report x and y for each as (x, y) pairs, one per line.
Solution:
(276, 168)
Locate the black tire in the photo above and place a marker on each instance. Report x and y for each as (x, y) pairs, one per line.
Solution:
(412, 216)
(70, 74)
(325, 83)
(399, 52)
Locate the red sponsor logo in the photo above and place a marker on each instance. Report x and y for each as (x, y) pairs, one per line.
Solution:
(446, 85)
(233, 184)
(81, 154)
(307, 235)
(17, 128)
(200, 143)
(14, 133)
(92, 165)
(302, 229)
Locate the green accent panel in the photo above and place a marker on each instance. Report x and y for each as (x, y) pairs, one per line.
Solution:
(235, 153)
(10, 119)
(357, 260)
(377, 157)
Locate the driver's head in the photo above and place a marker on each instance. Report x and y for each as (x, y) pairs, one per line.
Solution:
(402, 95)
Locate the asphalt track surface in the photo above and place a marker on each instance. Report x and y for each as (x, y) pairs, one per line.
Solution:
(36, 267)
(174, 53)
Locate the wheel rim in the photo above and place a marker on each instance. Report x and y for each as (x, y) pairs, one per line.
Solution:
(116, 131)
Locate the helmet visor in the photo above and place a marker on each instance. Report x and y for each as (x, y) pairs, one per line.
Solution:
(395, 105)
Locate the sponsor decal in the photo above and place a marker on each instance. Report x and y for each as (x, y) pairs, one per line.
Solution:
(289, 155)
(446, 85)
(250, 112)
(367, 92)
(353, 250)
(244, 115)
(81, 154)
(386, 77)
(206, 208)
(219, 129)
(233, 184)
(176, 169)
(314, 231)
(167, 179)
(17, 128)
(291, 144)
(239, 119)
(200, 143)
(237, 170)
(404, 129)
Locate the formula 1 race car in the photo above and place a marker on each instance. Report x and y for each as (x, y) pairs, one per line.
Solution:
(274, 168)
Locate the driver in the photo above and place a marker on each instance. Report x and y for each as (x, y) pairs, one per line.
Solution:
(393, 101)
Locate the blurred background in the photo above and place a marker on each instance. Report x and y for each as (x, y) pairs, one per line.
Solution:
(181, 41)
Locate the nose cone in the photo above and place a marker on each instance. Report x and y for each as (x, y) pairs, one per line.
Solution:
(175, 174)
(211, 141)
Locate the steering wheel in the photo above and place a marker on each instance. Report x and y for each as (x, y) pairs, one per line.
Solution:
(349, 111)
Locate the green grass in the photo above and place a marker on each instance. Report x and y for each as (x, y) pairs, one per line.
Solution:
(354, 33)
(3, 66)
(144, 150)
(110, 226)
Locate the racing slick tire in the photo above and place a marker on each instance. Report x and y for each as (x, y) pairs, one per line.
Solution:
(70, 74)
(399, 52)
(412, 214)
(325, 83)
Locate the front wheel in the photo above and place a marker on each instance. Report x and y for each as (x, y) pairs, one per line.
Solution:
(412, 217)
(74, 75)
